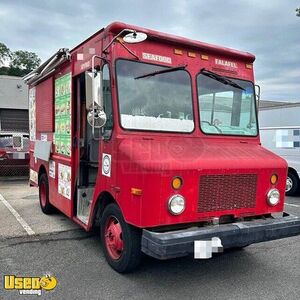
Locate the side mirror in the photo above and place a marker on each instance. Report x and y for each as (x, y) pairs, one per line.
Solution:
(93, 89)
(96, 117)
(94, 99)
(257, 95)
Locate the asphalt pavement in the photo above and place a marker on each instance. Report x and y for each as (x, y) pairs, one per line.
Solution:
(33, 244)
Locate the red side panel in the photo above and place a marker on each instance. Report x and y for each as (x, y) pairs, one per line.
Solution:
(45, 104)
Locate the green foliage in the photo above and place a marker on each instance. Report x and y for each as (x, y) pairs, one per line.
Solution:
(24, 60)
(4, 53)
(20, 62)
(4, 70)
(298, 12)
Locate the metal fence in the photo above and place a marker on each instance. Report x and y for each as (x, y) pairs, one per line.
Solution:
(14, 154)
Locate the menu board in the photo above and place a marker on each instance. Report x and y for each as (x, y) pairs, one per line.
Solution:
(63, 123)
(32, 116)
(64, 180)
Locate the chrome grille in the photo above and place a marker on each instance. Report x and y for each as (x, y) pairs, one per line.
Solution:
(227, 192)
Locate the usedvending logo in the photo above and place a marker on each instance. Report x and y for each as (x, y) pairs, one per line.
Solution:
(29, 285)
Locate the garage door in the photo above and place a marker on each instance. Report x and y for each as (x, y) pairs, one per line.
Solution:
(15, 120)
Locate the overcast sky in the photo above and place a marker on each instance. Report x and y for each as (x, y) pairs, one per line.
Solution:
(268, 29)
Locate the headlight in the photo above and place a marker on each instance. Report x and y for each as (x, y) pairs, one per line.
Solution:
(273, 197)
(176, 205)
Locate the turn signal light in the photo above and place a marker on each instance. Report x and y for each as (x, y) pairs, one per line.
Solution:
(274, 179)
(176, 183)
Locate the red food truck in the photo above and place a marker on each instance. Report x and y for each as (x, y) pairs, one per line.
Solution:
(154, 138)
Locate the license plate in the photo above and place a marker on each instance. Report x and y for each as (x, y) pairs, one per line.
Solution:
(19, 155)
(204, 249)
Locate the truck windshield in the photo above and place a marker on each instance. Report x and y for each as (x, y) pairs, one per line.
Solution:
(226, 109)
(160, 102)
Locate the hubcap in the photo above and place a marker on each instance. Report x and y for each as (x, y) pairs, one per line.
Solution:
(113, 238)
(289, 184)
(43, 194)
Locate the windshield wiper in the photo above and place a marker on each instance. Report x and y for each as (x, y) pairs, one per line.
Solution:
(162, 71)
(220, 78)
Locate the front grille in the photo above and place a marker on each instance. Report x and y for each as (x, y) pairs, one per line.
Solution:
(227, 192)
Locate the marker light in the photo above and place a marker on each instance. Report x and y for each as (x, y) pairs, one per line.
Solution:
(191, 54)
(176, 183)
(136, 192)
(273, 197)
(178, 51)
(274, 179)
(176, 205)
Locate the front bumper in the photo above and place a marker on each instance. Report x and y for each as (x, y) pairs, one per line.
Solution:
(164, 245)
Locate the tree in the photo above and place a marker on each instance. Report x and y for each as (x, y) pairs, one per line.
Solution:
(5, 53)
(24, 60)
(20, 62)
(298, 12)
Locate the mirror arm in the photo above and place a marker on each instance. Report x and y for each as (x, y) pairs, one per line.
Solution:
(130, 51)
(257, 96)
(120, 33)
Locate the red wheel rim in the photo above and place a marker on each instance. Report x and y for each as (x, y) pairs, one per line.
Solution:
(113, 238)
(43, 196)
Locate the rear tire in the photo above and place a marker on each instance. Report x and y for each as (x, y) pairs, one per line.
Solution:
(292, 185)
(121, 241)
(46, 207)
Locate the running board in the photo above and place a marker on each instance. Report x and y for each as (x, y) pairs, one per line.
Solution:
(84, 200)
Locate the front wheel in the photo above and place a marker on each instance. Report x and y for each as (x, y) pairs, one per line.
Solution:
(292, 184)
(121, 241)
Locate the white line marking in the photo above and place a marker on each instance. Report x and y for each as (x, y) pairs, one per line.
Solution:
(17, 216)
(294, 205)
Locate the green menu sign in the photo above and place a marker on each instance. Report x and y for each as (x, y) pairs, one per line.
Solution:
(62, 137)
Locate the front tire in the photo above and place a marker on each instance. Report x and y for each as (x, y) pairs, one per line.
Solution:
(121, 241)
(46, 207)
(292, 184)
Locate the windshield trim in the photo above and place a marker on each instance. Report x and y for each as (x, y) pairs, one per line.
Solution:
(148, 130)
(226, 134)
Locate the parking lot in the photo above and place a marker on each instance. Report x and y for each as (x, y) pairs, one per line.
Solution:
(33, 244)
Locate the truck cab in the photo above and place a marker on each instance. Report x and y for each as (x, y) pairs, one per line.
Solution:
(155, 138)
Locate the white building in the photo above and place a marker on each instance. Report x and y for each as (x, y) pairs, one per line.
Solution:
(13, 104)
(280, 132)
(14, 126)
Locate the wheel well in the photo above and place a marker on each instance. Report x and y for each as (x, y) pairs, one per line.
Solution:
(103, 200)
(293, 171)
(42, 170)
